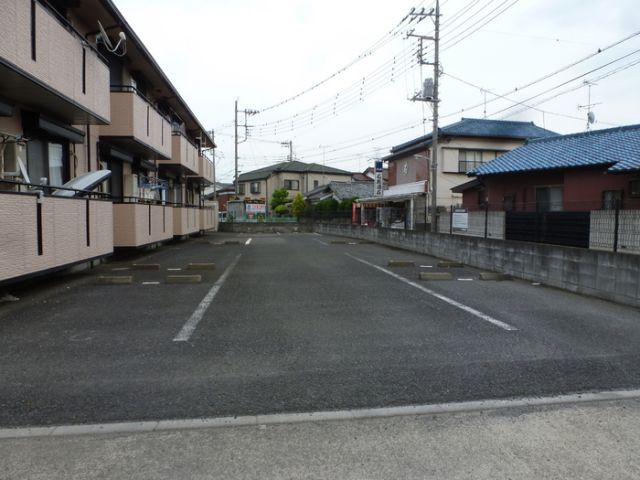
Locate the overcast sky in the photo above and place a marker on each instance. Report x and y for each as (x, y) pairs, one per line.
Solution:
(263, 53)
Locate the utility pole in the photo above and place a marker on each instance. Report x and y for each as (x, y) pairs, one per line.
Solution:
(215, 186)
(247, 113)
(431, 97)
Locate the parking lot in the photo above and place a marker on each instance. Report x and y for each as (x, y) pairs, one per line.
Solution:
(295, 323)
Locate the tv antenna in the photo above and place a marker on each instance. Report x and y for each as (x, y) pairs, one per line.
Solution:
(106, 41)
(591, 117)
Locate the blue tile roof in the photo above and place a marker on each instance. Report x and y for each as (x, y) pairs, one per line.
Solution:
(480, 127)
(617, 147)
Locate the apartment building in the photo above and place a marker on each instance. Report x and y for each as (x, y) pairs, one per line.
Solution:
(80, 93)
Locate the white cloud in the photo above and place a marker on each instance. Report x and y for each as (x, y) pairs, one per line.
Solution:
(215, 51)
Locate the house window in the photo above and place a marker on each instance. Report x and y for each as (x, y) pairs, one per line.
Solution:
(316, 183)
(255, 187)
(292, 184)
(241, 189)
(611, 199)
(470, 159)
(549, 199)
(509, 203)
(634, 187)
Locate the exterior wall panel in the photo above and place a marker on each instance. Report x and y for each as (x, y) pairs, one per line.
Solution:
(58, 62)
(131, 224)
(64, 233)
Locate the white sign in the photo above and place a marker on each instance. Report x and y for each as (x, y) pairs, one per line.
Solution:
(460, 220)
(377, 185)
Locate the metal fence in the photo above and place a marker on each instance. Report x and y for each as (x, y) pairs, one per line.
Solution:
(576, 225)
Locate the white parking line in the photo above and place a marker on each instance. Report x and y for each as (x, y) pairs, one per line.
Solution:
(248, 242)
(150, 283)
(450, 301)
(320, 241)
(189, 327)
(465, 279)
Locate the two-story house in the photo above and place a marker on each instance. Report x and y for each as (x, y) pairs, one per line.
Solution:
(295, 176)
(462, 146)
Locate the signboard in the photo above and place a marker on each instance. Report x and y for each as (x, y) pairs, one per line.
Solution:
(256, 211)
(460, 220)
(378, 185)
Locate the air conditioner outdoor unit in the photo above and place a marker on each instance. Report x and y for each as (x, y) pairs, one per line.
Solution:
(14, 161)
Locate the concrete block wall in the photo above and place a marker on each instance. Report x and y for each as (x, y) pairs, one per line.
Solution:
(606, 275)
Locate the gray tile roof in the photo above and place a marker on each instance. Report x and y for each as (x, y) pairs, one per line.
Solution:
(293, 166)
(618, 148)
(476, 127)
(342, 190)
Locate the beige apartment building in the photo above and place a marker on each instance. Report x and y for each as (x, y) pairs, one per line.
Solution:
(296, 177)
(80, 93)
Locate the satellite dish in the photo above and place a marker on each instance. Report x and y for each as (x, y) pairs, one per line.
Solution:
(104, 37)
(591, 117)
(86, 181)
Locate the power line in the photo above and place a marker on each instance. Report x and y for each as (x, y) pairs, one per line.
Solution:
(548, 75)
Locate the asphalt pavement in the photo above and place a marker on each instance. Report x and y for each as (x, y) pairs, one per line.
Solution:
(296, 323)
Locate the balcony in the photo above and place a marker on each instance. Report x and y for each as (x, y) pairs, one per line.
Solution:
(40, 233)
(136, 126)
(184, 156)
(186, 220)
(47, 65)
(205, 171)
(208, 218)
(138, 224)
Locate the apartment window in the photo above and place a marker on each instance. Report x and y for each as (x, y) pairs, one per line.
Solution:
(549, 199)
(255, 187)
(292, 184)
(48, 159)
(611, 199)
(241, 189)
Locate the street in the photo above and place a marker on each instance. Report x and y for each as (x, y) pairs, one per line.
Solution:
(296, 323)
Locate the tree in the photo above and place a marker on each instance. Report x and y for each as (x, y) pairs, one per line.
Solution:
(280, 197)
(299, 205)
(281, 210)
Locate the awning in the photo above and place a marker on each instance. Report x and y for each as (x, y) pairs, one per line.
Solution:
(115, 153)
(60, 130)
(392, 198)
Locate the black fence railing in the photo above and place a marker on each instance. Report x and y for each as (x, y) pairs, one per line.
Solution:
(590, 224)
(14, 186)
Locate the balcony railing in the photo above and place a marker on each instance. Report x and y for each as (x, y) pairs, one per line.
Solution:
(138, 222)
(184, 155)
(40, 232)
(136, 125)
(46, 64)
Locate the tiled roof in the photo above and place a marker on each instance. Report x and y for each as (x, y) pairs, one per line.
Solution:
(293, 166)
(478, 127)
(342, 190)
(617, 147)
